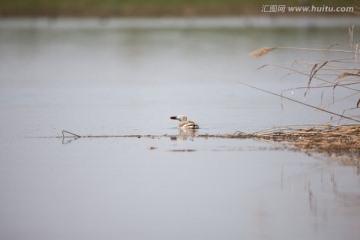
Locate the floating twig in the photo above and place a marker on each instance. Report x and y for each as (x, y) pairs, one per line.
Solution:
(74, 135)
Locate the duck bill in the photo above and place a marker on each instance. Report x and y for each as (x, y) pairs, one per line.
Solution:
(173, 117)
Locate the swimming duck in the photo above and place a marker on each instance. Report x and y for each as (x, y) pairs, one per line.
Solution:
(184, 123)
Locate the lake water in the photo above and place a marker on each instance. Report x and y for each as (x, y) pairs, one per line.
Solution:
(98, 77)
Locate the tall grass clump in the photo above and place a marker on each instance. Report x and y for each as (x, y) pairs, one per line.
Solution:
(334, 74)
(336, 71)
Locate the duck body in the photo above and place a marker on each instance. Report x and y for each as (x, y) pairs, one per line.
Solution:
(184, 123)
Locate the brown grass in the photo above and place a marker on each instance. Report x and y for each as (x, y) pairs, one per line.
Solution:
(341, 141)
(321, 138)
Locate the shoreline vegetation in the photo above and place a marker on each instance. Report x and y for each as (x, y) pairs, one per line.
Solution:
(337, 68)
(162, 8)
(340, 142)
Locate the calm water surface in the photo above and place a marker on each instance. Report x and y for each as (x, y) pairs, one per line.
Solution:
(130, 80)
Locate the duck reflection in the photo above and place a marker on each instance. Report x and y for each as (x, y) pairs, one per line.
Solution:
(185, 134)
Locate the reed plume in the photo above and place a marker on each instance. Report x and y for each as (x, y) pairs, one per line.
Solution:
(264, 50)
(261, 51)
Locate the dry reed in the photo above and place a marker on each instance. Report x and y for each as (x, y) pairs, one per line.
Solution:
(337, 68)
(261, 51)
(264, 50)
(342, 141)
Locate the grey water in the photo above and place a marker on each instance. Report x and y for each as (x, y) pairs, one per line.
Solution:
(94, 77)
